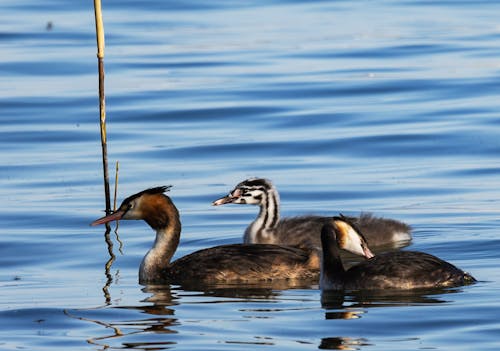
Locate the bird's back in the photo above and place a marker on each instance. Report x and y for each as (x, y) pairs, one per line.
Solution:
(405, 270)
(301, 231)
(244, 263)
(305, 231)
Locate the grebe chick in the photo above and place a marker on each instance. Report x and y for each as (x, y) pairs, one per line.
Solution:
(299, 231)
(390, 270)
(227, 263)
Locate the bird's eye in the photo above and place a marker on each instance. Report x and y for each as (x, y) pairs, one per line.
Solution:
(130, 206)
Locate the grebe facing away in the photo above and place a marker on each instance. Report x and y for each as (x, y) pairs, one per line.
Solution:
(251, 263)
(304, 230)
(391, 270)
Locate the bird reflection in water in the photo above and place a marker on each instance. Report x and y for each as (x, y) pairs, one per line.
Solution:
(159, 309)
(262, 289)
(339, 300)
(342, 343)
(355, 304)
(414, 297)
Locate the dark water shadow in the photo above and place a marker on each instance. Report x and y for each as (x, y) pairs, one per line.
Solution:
(335, 302)
(343, 343)
(415, 297)
(265, 289)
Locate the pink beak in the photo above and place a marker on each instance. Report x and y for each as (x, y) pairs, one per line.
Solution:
(367, 252)
(223, 200)
(112, 217)
(229, 199)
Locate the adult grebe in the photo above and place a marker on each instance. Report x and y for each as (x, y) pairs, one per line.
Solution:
(226, 263)
(390, 270)
(304, 230)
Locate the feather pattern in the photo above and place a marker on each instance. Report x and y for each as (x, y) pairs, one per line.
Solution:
(250, 263)
(391, 270)
(304, 231)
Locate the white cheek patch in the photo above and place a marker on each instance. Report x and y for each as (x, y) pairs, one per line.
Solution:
(355, 243)
(135, 211)
(350, 239)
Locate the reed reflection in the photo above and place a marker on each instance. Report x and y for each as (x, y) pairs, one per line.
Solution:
(107, 265)
(159, 320)
(160, 313)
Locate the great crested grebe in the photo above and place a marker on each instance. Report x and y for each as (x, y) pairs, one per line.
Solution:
(226, 263)
(302, 231)
(390, 270)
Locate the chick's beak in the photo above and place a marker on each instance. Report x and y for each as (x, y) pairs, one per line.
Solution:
(111, 217)
(224, 200)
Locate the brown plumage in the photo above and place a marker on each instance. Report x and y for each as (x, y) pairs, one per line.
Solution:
(245, 263)
(391, 270)
(226, 263)
(405, 270)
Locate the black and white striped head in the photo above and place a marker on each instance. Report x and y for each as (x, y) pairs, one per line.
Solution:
(253, 191)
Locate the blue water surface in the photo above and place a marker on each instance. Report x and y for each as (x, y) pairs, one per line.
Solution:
(382, 106)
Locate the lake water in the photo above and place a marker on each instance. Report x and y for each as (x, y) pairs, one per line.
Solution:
(383, 106)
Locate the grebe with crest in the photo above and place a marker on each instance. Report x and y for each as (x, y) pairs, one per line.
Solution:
(390, 270)
(303, 231)
(250, 263)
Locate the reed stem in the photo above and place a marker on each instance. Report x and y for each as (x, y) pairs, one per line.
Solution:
(120, 248)
(102, 102)
(117, 169)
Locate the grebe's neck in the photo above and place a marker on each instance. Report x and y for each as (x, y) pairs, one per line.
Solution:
(332, 269)
(262, 228)
(157, 260)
